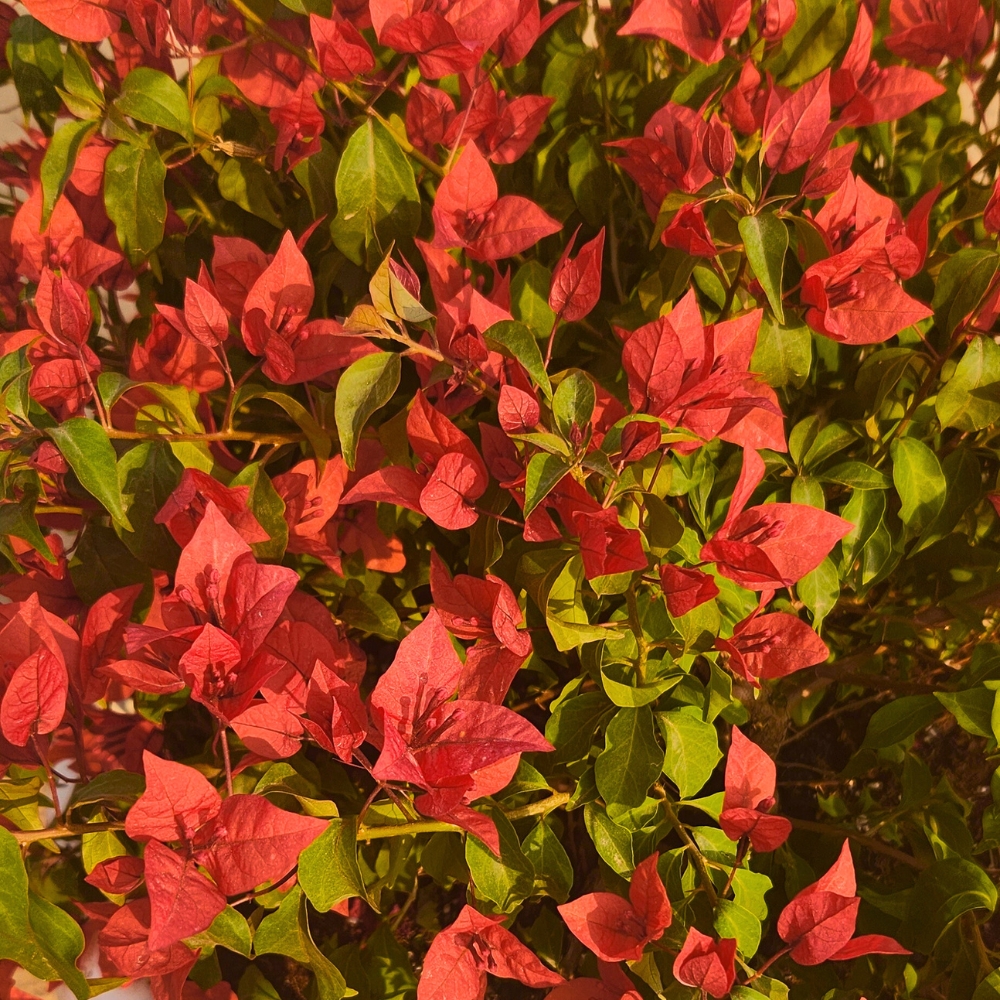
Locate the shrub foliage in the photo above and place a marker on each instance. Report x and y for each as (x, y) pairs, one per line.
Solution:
(497, 498)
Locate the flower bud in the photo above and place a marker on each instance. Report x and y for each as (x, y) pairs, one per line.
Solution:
(718, 147)
(776, 18)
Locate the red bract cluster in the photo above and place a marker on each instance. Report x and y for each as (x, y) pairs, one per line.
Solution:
(494, 494)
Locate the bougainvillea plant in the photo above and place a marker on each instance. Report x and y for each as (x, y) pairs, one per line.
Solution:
(500, 499)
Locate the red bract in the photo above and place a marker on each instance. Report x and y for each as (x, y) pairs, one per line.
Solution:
(765, 647)
(117, 875)
(468, 213)
(686, 589)
(706, 963)
(216, 621)
(61, 244)
(774, 545)
(668, 157)
(576, 284)
(927, 31)
(202, 317)
(185, 508)
(613, 985)
(700, 29)
(795, 129)
(851, 302)
(459, 957)
(35, 698)
(447, 37)
(615, 929)
(869, 93)
(275, 327)
(341, 50)
(446, 747)
(242, 841)
(818, 924)
(746, 808)
(487, 611)
(503, 129)
(451, 478)
(81, 20)
(698, 377)
(171, 356)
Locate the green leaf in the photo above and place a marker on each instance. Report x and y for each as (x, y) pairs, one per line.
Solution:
(317, 437)
(371, 612)
(544, 473)
(857, 475)
(553, 869)
(692, 749)
(573, 403)
(819, 591)
(961, 285)
(266, 505)
(328, 867)
(278, 932)
(613, 842)
(732, 921)
(919, 481)
(248, 184)
(574, 722)
(765, 239)
(505, 880)
(316, 174)
(228, 930)
(964, 478)
(619, 678)
(60, 938)
(59, 160)
(18, 519)
(44, 942)
(147, 475)
(134, 199)
(783, 355)
(377, 197)
(85, 445)
(36, 62)
(955, 405)
(366, 386)
(529, 298)
(149, 95)
(631, 760)
(516, 341)
(941, 894)
(901, 720)
(973, 709)
(818, 33)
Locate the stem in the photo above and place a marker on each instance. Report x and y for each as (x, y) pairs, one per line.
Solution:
(697, 858)
(226, 760)
(540, 808)
(210, 436)
(873, 845)
(731, 291)
(635, 623)
(62, 831)
(767, 965)
(552, 338)
(53, 787)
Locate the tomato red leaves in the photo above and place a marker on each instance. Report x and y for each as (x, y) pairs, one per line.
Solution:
(750, 784)
(706, 963)
(459, 957)
(818, 924)
(615, 929)
(468, 213)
